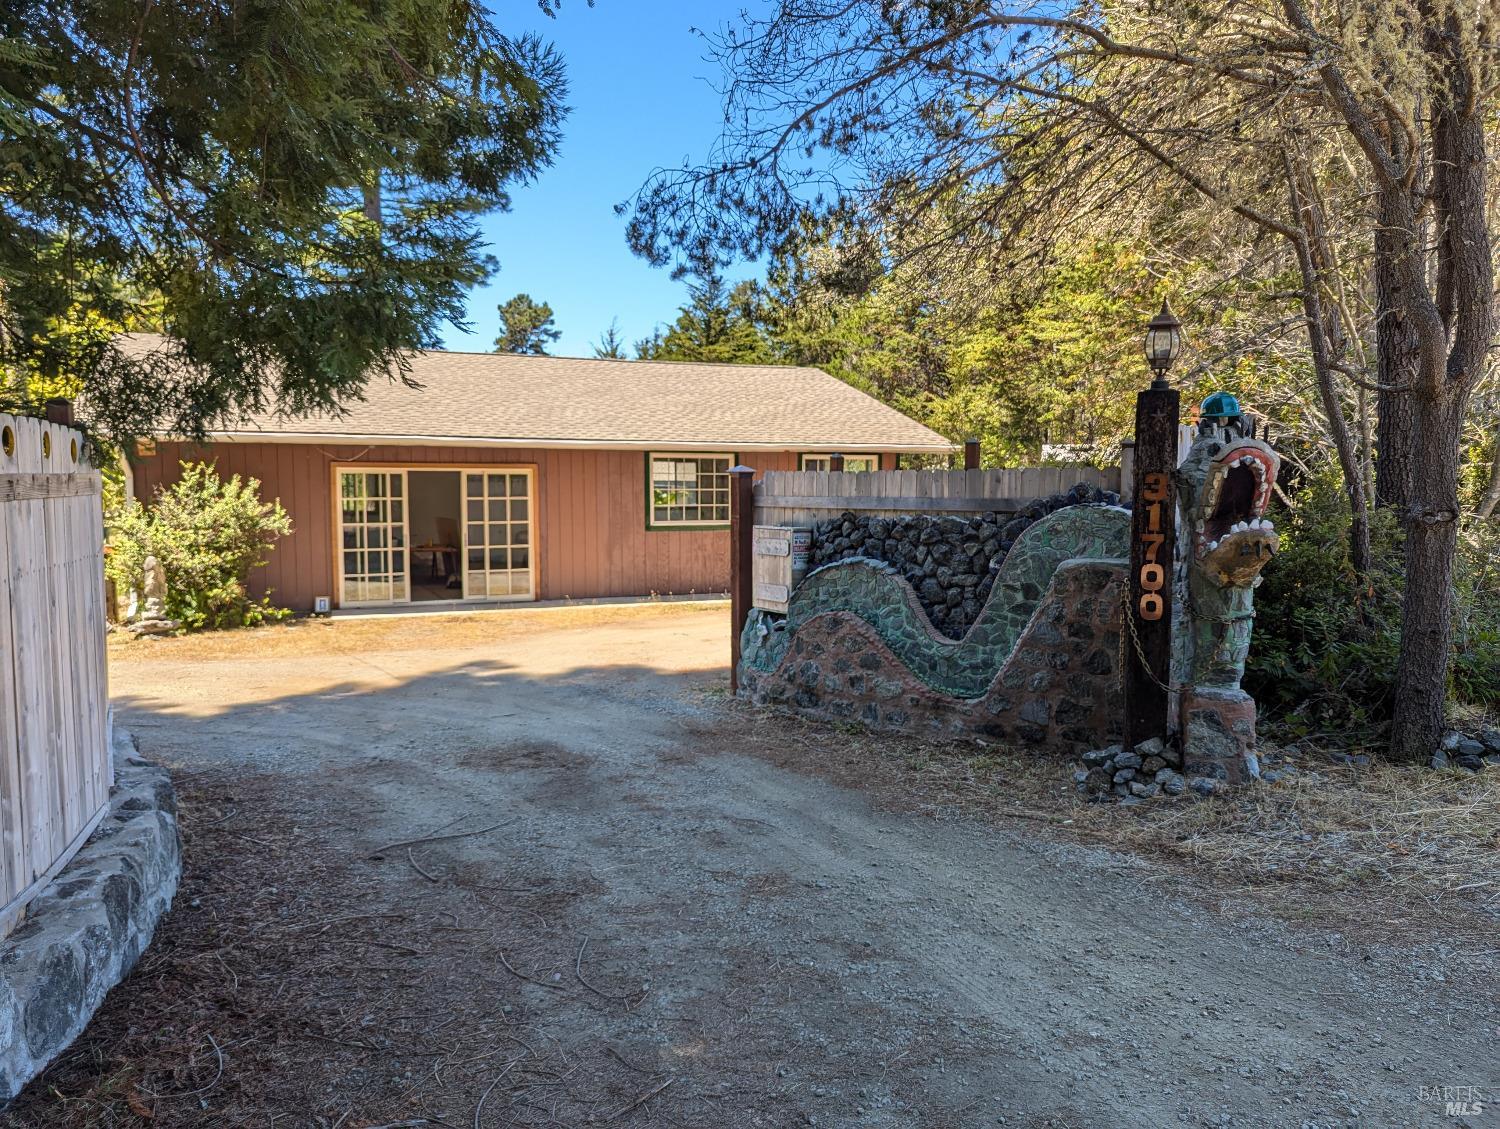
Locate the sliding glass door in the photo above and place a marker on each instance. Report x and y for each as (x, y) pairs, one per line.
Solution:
(498, 545)
(372, 538)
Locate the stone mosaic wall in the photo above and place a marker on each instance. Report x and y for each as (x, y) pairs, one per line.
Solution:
(1038, 666)
(877, 593)
(1057, 686)
(950, 562)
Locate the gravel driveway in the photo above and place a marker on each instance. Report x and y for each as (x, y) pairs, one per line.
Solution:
(654, 924)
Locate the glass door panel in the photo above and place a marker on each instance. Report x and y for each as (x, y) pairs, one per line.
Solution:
(372, 536)
(497, 535)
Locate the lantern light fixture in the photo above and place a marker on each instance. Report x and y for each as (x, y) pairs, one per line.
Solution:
(1163, 344)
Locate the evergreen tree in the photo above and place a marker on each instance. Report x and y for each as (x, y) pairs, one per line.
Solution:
(525, 326)
(718, 324)
(611, 344)
(291, 195)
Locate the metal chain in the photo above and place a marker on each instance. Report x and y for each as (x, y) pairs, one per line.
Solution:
(1128, 613)
(1192, 607)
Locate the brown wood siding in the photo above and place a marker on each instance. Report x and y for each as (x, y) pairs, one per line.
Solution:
(591, 537)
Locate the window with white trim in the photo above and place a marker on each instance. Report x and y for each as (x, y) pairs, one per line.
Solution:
(687, 489)
(852, 463)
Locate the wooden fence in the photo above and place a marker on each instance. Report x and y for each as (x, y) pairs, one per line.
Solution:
(55, 768)
(801, 497)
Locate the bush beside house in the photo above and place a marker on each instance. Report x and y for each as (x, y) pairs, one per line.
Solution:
(208, 533)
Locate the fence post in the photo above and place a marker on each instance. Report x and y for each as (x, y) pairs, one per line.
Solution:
(60, 410)
(741, 562)
(971, 454)
(836, 462)
(1127, 469)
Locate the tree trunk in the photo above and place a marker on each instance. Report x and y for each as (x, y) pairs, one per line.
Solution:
(1454, 333)
(1398, 363)
(371, 194)
(1317, 338)
(1427, 606)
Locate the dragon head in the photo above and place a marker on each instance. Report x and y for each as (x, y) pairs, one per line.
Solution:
(1225, 485)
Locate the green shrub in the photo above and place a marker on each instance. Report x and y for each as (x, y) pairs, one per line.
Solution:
(1474, 678)
(1323, 659)
(208, 534)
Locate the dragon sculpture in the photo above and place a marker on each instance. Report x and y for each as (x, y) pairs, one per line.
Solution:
(1224, 486)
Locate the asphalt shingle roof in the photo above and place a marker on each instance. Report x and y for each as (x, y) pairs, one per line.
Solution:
(498, 396)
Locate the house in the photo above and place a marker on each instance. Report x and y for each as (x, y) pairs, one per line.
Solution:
(506, 477)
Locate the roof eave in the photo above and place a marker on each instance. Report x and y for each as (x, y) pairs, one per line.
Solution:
(942, 447)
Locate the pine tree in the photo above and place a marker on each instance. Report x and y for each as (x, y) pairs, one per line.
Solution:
(611, 344)
(294, 193)
(717, 324)
(525, 326)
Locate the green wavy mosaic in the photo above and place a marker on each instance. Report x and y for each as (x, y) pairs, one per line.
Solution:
(963, 668)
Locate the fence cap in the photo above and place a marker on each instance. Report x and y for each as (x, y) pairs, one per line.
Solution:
(741, 468)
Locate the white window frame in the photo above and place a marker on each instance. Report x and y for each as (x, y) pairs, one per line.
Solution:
(403, 470)
(532, 539)
(393, 475)
(685, 523)
(826, 460)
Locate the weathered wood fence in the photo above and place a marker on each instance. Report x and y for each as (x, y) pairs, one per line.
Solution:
(55, 768)
(801, 497)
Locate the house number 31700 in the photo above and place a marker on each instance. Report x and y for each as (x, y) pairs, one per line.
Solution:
(1153, 576)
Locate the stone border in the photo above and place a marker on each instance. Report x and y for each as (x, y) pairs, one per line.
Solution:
(84, 933)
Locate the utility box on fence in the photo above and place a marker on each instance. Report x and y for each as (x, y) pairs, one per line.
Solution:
(781, 554)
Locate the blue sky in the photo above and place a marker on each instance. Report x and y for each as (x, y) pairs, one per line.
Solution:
(642, 96)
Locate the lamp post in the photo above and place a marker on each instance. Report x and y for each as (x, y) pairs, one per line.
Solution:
(1163, 345)
(1153, 539)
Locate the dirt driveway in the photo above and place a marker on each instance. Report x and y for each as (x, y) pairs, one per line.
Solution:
(627, 911)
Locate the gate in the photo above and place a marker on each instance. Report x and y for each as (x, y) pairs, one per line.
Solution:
(55, 768)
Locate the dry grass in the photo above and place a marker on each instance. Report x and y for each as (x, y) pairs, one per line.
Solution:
(1384, 845)
(1415, 835)
(346, 635)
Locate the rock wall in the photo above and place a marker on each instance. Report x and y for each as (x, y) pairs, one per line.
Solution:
(950, 562)
(1038, 666)
(1058, 686)
(83, 935)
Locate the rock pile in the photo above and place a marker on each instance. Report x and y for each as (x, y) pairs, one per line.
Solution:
(950, 561)
(1129, 776)
(1474, 752)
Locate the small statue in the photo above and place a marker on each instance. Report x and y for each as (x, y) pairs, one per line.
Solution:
(153, 620)
(155, 586)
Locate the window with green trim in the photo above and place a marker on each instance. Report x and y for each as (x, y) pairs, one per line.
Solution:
(688, 489)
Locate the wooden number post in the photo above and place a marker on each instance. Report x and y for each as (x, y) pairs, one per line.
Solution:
(1153, 543)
